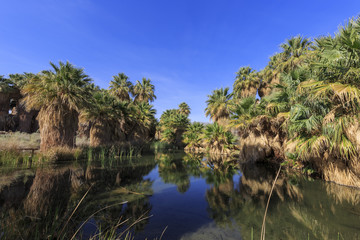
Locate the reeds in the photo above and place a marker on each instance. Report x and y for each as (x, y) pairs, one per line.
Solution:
(14, 156)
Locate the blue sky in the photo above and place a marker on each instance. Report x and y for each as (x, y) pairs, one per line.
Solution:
(187, 48)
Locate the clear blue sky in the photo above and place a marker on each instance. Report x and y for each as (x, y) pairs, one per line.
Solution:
(186, 47)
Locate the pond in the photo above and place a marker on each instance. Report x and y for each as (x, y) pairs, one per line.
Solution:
(173, 196)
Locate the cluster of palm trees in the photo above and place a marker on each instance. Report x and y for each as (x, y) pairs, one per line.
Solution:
(173, 123)
(314, 85)
(212, 138)
(65, 94)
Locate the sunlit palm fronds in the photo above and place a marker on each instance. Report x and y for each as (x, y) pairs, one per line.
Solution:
(218, 104)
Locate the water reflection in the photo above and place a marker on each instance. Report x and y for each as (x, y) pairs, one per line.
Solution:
(227, 200)
(298, 209)
(173, 170)
(45, 198)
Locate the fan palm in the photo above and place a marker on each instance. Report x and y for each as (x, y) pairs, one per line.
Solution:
(104, 114)
(144, 91)
(218, 104)
(121, 87)
(295, 52)
(333, 96)
(244, 111)
(217, 139)
(184, 109)
(193, 135)
(247, 82)
(173, 124)
(59, 94)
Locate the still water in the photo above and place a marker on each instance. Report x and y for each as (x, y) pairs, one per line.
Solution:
(173, 195)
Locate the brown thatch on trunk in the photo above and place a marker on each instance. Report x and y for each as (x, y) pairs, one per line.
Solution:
(58, 126)
(263, 139)
(84, 128)
(136, 133)
(105, 133)
(250, 91)
(266, 87)
(101, 134)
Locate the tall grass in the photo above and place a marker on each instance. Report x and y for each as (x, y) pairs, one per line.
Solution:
(14, 156)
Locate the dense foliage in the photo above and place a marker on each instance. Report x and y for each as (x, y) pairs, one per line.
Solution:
(314, 85)
(173, 123)
(65, 95)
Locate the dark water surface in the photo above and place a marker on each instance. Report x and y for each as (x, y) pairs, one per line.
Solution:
(187, 195)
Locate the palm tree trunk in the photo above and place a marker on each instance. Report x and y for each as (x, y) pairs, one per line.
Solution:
(101, 134)
(58, 126)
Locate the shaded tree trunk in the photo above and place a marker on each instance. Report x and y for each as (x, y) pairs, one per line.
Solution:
(58, 126)
(101, 134)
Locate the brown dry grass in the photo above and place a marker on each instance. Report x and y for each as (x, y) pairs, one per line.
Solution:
(340, 174)
(62, 154)
(19, 140)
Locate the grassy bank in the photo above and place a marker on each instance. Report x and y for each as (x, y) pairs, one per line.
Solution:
(23, 149)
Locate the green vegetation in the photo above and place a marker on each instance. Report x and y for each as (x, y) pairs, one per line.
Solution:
(59, 95)
(173, 123)
(310, 101)
(65, 98)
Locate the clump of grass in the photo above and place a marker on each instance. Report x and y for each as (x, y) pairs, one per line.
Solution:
(14, 154)
(63, 154)
(10, 156)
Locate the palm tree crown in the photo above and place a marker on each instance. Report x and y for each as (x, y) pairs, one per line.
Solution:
(65, 86)
(218, 104)
(121, 87)
(184, 109)
(246, 83)
(144, 91)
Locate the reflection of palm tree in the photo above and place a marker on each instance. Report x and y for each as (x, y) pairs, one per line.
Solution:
(221, 195)
(138, 209)
(173, 171)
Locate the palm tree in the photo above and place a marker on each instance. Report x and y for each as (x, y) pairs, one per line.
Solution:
(59, 94)
(246, 82)
(321, 123)
(193, 135)
(296, 51)
(184, 109)
(144, 91)
(218, 105)
(270, 75)
(121, 87)
(217, 139)
(104, 114)
(244, 111)
(173, 124)
(144, 121)
(285, 95)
